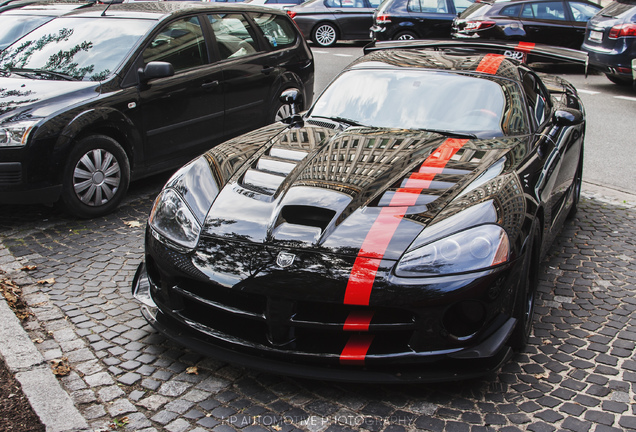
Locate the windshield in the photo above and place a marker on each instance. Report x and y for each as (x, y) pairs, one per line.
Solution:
(86, 49)
(14, 27)
(416, 99)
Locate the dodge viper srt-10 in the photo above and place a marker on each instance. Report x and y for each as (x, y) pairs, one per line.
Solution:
(391, 233)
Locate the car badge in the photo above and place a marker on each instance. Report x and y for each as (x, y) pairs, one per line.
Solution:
(285, 259)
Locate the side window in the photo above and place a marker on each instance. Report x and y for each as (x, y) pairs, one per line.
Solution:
(462, 5)
(537, 98)
(375, 3)
(344, 3)
(582, 12)
(181, 43)
(552, 11)
(427, 6)
(278, 30)
(511, 11)
(233, 35)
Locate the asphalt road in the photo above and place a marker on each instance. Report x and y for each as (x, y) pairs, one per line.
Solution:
(610, 152)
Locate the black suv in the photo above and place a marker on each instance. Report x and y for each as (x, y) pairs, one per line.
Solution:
(416, 19)
(102, 96)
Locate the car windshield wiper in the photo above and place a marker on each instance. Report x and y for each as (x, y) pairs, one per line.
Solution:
(341, 120)
(27, 72)
(450, 133)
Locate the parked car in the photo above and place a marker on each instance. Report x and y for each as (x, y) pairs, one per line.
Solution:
(611, 41)
(327, 21)
(20, 17)
(416, 19)
(393, 233)
(560, 23)
(97, 98)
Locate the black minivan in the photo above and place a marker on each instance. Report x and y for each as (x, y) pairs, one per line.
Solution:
(113, 93)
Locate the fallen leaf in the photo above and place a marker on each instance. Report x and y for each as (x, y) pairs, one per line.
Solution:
(29, 268)
(60, 367)
(133, 224)
(543, 375)
(38, 340)
(47, 281)
(192, 370)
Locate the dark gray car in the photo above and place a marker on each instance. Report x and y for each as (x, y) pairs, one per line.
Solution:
(327, 21)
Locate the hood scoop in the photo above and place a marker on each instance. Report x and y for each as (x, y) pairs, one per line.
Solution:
(271, 169)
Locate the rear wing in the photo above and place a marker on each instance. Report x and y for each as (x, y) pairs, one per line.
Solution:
(526, 52)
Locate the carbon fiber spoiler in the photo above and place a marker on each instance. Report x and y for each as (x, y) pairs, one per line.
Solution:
(524, 51)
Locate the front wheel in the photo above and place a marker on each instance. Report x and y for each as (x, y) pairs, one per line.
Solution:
(325, 35)
(280, 111)
(96, 177)
(525, 301)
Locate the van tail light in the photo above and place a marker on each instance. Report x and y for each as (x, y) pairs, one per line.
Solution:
(292, 14)
(622, 30)
(472, 26)
(382, 19)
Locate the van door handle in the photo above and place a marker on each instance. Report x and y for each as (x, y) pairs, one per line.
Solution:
(268, 70)
(210, 84)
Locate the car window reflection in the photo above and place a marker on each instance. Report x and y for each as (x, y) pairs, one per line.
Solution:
(233, 35)
(84, 49)
(180, 43)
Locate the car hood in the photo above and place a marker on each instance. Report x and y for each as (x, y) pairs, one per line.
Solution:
(22, 98)
(324, 189)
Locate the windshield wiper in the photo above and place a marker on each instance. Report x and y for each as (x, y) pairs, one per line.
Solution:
(341, 120)
(39, 72)
(450, 133)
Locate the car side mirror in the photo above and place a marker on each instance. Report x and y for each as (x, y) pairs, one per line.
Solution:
(155, 69)
(294, 99)
(568, 117)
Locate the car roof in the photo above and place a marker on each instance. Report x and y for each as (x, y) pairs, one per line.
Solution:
(38, 7)
(161, 9)
(494, 65)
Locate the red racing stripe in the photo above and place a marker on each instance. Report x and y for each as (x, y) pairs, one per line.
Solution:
(525, 47)
(490, 63)
(358, 321)
(356, 350)
(366, 265)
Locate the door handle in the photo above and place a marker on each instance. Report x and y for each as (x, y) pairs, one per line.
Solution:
(210, 84)
(268, 70)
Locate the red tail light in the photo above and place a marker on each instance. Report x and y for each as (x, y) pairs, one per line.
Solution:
(382, 19)
(622, 30)
(291, 14)
(478, 25)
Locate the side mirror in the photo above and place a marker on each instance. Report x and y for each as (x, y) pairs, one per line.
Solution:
(294, 99)
(568, 117)
(155, 69)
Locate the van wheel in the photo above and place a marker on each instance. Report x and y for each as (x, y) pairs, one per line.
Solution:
(96, 177)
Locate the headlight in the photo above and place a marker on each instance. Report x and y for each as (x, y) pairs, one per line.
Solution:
(16, 134)
(476, 248)
(171, 218)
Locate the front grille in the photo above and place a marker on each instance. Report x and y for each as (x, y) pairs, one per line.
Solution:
(285, 325)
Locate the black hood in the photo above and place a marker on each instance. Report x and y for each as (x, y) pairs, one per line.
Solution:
(318, 187)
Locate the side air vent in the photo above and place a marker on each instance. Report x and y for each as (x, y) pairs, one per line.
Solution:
(308, 216)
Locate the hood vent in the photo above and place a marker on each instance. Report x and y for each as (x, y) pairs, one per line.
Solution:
(308, 216)
(321, 123)
(271, 169)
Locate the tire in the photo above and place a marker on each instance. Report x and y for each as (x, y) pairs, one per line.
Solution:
(96, 177)
(525, 301)
(576, 185)
(280, 110)
(405, 35)
(324, 34)
(618, 80)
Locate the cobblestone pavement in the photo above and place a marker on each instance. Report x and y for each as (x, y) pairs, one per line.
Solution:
(578, 373)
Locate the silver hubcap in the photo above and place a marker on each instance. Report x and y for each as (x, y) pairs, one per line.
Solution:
(283, 112)
(406, 36)
(96, 177)
(325, 35)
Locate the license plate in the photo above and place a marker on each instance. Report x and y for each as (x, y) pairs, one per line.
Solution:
(595, 36)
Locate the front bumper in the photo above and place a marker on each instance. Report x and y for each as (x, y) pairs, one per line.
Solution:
(291, 322)
(15, 189)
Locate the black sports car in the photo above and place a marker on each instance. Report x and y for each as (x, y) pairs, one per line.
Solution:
(392, 233)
